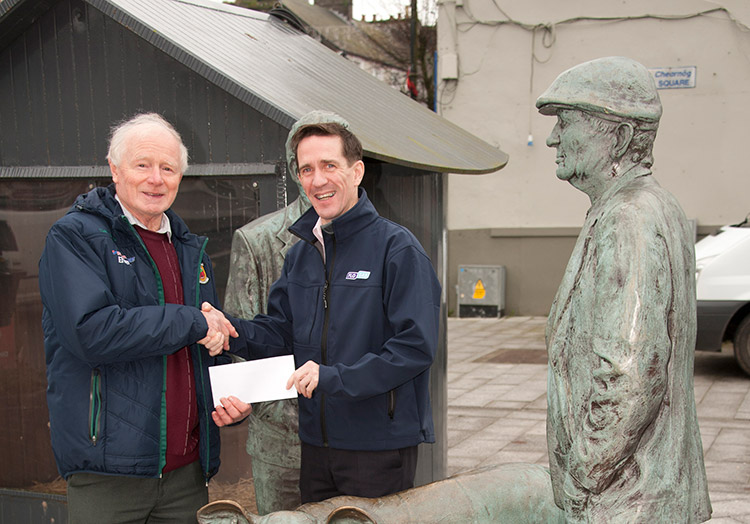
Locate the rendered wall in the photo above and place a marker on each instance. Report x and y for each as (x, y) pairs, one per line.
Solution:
(496, 58)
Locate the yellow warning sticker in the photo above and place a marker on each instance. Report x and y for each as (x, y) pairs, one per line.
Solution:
(479, 291)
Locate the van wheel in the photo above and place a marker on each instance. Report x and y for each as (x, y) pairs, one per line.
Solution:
(742, 344)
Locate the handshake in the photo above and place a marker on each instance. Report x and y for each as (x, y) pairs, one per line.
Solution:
(219, 330)
(231, 409)
(305, 378)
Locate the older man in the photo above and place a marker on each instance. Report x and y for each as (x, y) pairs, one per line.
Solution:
(622, 430)
(122, 282)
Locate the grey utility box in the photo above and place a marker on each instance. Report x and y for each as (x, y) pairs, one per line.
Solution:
(481, 291)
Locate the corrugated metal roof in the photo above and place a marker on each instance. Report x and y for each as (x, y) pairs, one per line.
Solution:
(284, 74)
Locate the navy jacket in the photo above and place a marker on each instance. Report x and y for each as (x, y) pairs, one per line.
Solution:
(369, 316)
(107, 333)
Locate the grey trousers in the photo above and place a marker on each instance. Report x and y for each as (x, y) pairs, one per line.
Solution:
(174, 498)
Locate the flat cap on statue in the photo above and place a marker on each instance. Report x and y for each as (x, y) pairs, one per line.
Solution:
(614, 85)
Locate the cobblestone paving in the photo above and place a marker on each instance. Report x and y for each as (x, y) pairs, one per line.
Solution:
(497, 406)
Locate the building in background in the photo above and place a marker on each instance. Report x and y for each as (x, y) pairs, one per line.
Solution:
(495, 57)
(383, 48)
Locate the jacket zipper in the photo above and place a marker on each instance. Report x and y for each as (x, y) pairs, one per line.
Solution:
(391, 403)
(163, 409)
(206, 404)
(324, 342)
(95, 405)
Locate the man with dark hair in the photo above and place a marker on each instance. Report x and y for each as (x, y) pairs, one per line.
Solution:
(257, 258)
(357, 304)
(123, 284)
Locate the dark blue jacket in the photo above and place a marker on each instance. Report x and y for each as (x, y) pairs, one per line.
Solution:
(107, 333)
(369, 316)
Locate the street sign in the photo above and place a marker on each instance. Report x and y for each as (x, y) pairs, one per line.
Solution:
(674, 77)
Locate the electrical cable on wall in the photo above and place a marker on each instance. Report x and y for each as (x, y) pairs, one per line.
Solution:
(532, 27)
(549, 36)
(548, 39)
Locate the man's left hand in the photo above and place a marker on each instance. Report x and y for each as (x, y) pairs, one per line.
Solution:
(305, 379)
(230, 410)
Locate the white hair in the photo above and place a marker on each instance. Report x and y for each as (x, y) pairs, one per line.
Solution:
(124, 130)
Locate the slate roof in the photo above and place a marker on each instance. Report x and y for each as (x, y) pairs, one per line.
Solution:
(373, 41)
(284, 74)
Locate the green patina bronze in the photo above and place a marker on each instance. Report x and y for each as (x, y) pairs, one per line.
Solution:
(511, 493)
(257, 257)
(622, 429)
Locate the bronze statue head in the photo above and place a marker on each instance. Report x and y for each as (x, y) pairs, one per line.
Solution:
(608, 112)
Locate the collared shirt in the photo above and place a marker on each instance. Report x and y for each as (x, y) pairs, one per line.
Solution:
(318, 232)
(165, 226)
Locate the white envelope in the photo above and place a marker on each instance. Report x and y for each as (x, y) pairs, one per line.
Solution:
(253, 381)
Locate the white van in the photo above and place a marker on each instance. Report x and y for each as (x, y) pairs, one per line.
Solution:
(722, 273)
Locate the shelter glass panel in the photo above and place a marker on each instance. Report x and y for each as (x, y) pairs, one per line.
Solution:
(213, 206)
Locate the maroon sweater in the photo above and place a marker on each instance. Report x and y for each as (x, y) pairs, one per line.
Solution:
(182, 409)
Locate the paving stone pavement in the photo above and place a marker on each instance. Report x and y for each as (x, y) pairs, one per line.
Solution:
(497, 406)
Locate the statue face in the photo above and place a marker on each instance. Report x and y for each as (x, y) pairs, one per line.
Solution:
(583, 151)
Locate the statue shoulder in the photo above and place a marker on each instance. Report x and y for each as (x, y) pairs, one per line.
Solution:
(268, 224)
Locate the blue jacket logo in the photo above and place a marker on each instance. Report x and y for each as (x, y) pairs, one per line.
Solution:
(358, 275)
(122, 259)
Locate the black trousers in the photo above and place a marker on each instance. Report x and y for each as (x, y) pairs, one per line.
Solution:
(327, 472)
